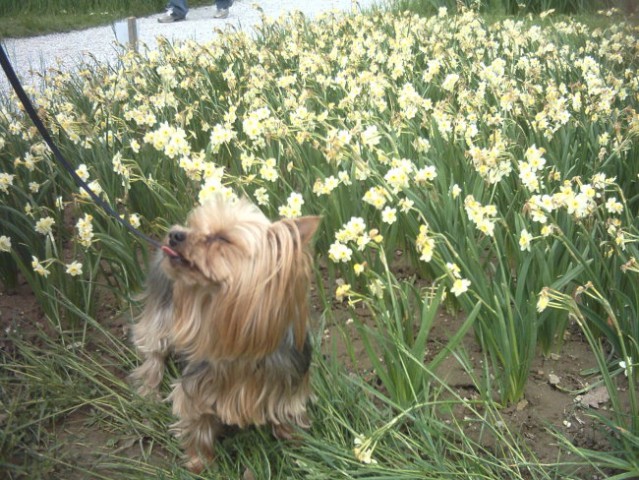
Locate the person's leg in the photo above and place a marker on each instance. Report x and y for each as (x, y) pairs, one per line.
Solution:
(180, 7)
(222, 8)
(175, 10)
(223, 4)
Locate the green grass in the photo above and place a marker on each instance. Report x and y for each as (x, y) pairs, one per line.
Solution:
(70, 414)
(38, 17)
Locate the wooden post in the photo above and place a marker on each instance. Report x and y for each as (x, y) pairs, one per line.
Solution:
(133, 33)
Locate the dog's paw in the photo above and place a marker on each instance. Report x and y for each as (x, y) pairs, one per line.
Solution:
(149, 393)
(286, 432)
(196, 463)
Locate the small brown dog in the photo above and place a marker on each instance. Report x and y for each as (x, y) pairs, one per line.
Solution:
(228, 293)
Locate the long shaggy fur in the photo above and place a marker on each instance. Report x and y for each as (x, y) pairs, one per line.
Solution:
(228, 293)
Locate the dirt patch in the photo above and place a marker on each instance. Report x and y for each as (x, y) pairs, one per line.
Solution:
(19, 312)
(559, 395)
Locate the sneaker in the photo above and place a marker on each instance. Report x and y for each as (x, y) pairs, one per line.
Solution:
(221, 13)
(168, 17)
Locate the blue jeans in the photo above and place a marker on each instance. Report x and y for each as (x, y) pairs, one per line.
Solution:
(178, 7)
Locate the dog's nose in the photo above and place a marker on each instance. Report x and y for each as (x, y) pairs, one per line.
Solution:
(176, 237)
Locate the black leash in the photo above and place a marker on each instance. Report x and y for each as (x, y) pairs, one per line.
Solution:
(28, 106)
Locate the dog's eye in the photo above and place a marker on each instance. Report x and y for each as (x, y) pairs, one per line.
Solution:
(217, 238)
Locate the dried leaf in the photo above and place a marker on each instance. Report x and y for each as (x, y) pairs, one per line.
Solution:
(595, 397)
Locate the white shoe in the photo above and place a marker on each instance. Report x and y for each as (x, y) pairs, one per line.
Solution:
(221, 13)
(168, 17)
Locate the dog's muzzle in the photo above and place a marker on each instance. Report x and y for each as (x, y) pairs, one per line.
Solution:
(176, 237)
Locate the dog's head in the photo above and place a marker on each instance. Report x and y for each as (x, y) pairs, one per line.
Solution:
(219, 238)
(238, 277)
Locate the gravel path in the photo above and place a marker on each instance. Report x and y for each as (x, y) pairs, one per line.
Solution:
(66, 50)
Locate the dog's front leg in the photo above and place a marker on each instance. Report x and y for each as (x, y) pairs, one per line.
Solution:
(148, 376)
(151, 334)
(197, 428)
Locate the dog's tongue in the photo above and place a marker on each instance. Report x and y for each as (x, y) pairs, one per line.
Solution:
(169, 251)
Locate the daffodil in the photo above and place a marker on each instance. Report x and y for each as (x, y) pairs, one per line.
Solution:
(460, 285)
(83, 172)
(293, 207)
(5, 243)
(338, 252)
(74, 269)
(363, 450)
(543, 300)
(425, 244)
(454, 269)
(342, 291)
(377, 197)
(39, 268)
(614, 206)
(389, 215)
(525, 239)
(6, 180)
(358, 268)
(85, 230)
(626, 365)
(44, 226)
(262, 196)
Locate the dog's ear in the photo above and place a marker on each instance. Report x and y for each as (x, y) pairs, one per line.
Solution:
(290, 231)
(307, 226)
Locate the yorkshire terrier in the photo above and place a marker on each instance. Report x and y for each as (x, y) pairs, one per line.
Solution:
(227, 293)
